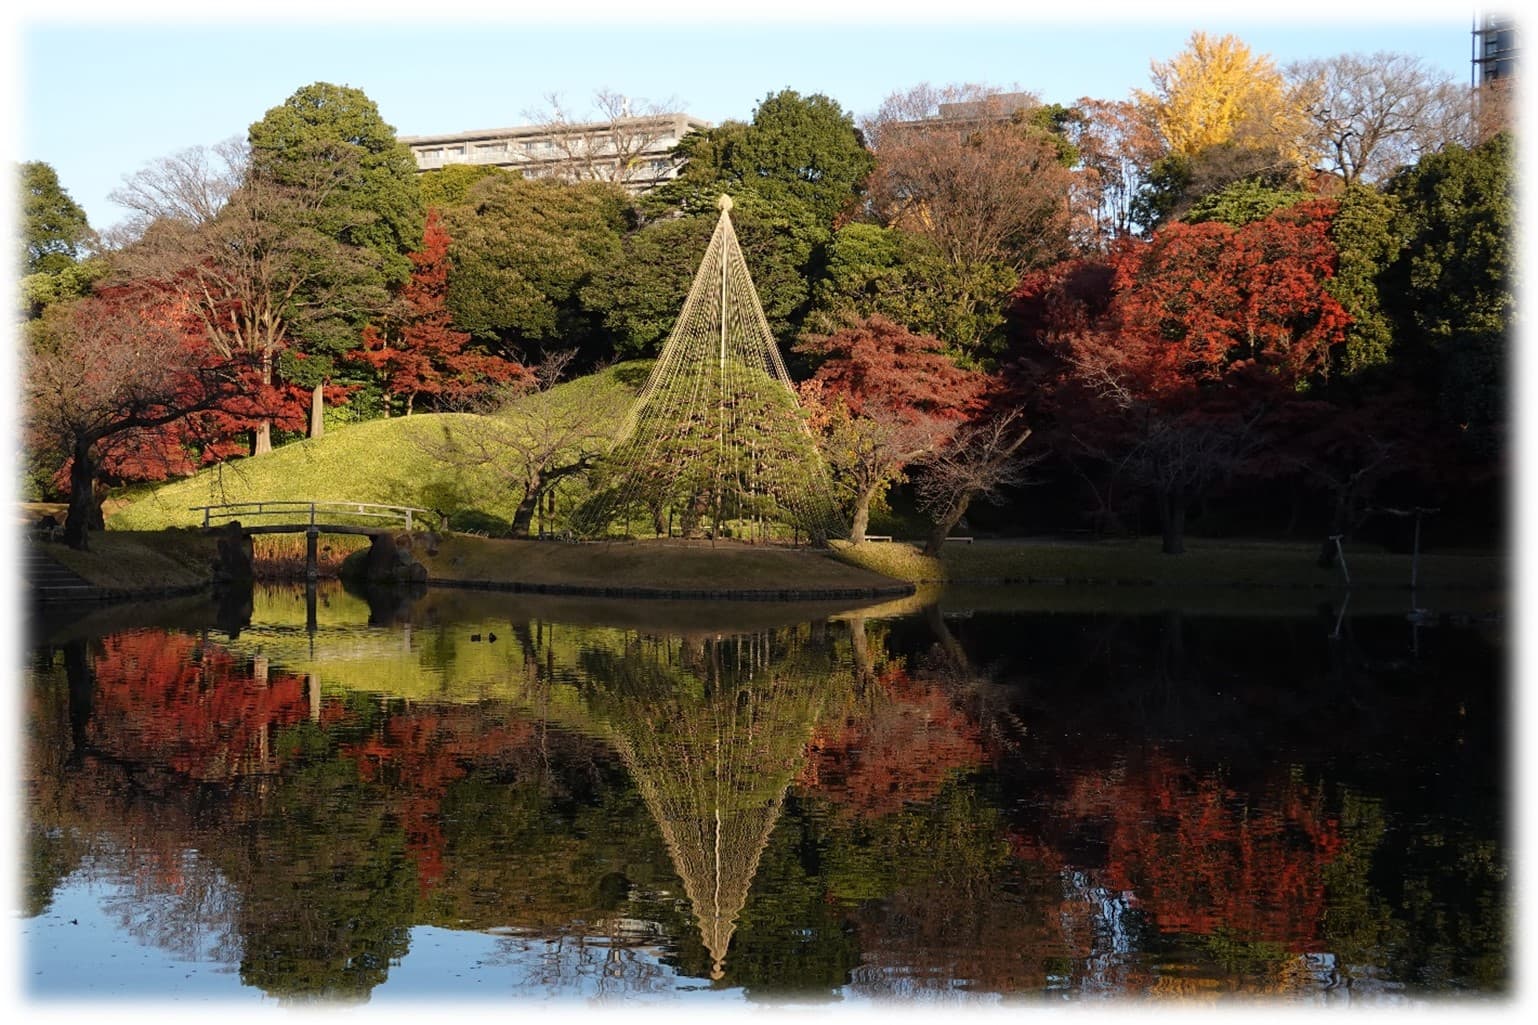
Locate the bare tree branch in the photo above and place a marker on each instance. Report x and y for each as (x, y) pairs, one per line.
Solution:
(189, 188)
(614, 141)
(1373, 114)
(981, 460)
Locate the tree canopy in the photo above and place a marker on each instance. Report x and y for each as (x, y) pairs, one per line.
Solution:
(425, 357)
(1218, 91)
(332, 140)
(1372, 114)
(523, 250)
(804, 149)
(639, 293)
(1217, 265)
(55, 233)
(1452, 288)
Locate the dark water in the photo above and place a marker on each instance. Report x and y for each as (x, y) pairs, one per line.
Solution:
(480, 797)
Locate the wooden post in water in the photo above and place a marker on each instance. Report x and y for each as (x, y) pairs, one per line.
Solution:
(311, 553)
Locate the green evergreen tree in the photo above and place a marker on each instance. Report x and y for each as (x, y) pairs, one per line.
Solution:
(1364, 233)
(1452, 289)
(55, 233)
(332, 138)
(523, 250)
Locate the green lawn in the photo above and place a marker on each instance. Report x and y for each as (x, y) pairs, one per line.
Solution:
(122, 560)
(425, 461)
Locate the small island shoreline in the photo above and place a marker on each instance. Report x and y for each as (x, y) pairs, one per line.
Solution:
(138, 565)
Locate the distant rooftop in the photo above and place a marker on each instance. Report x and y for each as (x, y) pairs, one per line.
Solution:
(997, 105)
(635, 152)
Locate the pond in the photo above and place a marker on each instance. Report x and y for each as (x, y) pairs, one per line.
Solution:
(998, 797)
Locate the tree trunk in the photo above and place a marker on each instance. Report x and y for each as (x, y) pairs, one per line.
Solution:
(692, 515)
(1172, 521)
(954, 652)
(82, 497)
(261, 444)
(318, 412)
(861, 515)
(859, 647)
(944, 523)
(533, 491)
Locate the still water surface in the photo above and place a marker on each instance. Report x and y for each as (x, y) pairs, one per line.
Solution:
(989, 799)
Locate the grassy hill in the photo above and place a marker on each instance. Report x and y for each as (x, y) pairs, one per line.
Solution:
(461, 464)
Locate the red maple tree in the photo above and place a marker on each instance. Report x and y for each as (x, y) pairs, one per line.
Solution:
(427, 357)
(1165, 360)
(420, 754)
(112, 383)
(878, 362)
(881, 398)
(902, 751)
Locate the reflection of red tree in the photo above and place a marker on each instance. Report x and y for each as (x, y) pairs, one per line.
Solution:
(424, 750)
(191, 706)
(1202, 857)
(901, 751)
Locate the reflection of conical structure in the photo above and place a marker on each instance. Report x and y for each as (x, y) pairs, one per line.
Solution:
(713, 732)
(715, 439)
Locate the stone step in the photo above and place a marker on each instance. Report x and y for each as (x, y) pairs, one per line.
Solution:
(51, 581)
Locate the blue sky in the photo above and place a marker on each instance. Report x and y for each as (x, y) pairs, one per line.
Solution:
(99, 98)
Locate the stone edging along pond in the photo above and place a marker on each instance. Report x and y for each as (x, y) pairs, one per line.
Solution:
(898, 590)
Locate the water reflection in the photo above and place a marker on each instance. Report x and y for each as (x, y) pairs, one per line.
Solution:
(924, 805)
(712, 730)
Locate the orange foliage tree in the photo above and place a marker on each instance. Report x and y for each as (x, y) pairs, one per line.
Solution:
(1199, 334)
(882, 397)
(427, 357)
(1219, 859)
(901, 752)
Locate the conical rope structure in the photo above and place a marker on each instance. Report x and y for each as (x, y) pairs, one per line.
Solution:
(715, 442)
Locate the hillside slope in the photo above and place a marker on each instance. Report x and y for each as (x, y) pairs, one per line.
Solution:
(461, 464)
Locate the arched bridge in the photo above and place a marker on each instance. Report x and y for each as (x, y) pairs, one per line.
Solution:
(313, 519)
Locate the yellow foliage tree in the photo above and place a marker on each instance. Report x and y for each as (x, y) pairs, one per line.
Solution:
(1217, 92)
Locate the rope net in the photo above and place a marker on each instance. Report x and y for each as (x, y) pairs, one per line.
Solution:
(715, 444)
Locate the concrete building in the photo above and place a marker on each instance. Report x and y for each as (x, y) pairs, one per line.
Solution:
(965, 117)
(996, 107)
(630, 151)
(1495, 48)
